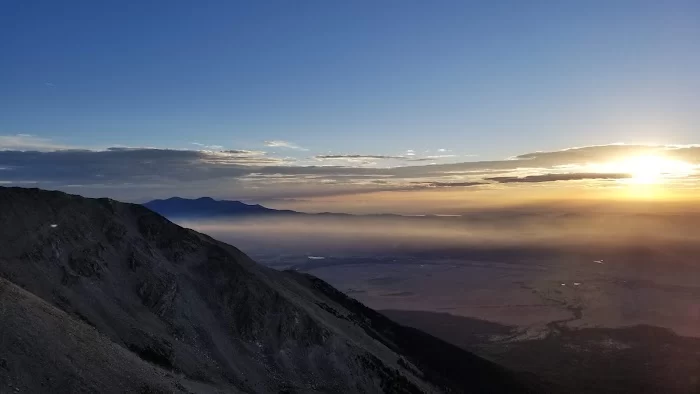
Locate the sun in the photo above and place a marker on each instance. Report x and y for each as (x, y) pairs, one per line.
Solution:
(649, 170)
(645, 170)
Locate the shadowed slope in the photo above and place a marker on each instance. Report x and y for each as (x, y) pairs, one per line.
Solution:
(203, 309)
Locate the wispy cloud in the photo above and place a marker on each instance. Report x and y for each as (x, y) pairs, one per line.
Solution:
(343, 157)
(449, 184)
(49, 84)
(243, 158)
(244, 152)
(556, 177)
(283, 144)
(28, 142)
(208, 147)
(357, 157)
(429, 158)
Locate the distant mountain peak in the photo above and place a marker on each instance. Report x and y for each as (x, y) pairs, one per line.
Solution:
(178, 207)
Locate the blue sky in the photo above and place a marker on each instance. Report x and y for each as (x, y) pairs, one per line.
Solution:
(361, 77)
(354, 84)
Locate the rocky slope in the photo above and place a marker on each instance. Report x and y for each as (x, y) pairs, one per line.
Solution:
(102, 296)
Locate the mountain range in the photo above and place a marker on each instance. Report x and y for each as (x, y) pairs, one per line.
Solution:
(102, 296)
(207, 207)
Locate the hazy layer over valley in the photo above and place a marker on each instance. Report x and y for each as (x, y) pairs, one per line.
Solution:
(527, 267)
(597, 298)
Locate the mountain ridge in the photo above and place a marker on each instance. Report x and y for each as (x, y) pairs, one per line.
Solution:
(179, 207)
(201, 313)
(208, 207)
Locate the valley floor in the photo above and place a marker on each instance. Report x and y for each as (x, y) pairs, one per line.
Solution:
(590, 326)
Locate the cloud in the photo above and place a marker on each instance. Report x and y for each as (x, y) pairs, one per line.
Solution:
(49, 84)
(208, 147)
(27, 142)
(141, 173)
(356, 157)
(429, 158)
(603, 153)
(131, 165)
(130, 172)
(556, 177)
(283, 144)
(449, 184)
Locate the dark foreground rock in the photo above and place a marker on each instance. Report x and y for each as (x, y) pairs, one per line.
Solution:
(102, 296)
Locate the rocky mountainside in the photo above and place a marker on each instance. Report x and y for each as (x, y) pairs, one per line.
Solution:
(102, 296)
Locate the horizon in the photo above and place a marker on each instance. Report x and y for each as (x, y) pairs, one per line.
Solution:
(353, 107)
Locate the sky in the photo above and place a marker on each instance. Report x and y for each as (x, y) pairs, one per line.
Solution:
(292, 100)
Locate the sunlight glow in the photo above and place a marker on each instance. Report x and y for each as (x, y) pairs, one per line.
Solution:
(650, 170)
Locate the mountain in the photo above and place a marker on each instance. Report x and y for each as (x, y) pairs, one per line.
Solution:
(207, 207)
(102, 296)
